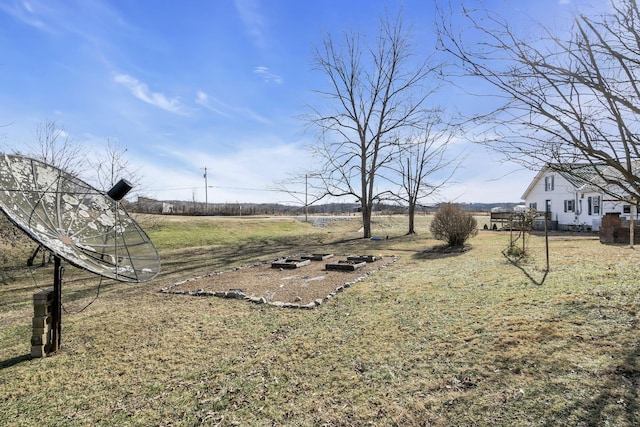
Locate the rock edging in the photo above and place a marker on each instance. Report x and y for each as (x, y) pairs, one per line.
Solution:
(238, 294)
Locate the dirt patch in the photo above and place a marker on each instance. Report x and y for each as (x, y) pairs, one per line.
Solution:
(306, 286)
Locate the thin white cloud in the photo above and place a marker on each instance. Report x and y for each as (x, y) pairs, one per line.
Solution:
(142, 92)
(92, 21)
(267, 76)
(225, 110)
(252, 19)
(25, 12)
(212, 104)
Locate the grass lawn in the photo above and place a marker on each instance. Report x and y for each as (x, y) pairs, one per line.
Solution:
(461, 339)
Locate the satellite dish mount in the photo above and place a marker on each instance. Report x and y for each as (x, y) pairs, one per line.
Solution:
(116, 193)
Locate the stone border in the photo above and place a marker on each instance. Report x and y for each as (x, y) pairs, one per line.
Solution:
(238, 294)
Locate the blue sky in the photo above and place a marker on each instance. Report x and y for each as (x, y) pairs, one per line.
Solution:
(220, 83)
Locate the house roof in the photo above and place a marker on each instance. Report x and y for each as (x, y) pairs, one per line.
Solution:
(588, 177)
(612, 176)
(577, 174)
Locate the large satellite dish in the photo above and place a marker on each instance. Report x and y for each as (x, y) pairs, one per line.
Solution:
(76, 222)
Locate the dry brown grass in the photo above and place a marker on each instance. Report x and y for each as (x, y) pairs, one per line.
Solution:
(458, 339)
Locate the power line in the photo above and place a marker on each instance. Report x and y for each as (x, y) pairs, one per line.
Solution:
(255, 189)
(223, 188)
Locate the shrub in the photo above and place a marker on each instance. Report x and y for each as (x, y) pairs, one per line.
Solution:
(453, 225)
(515, 251)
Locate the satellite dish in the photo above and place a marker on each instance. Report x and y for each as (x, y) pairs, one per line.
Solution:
(75, 221)
(86, 227)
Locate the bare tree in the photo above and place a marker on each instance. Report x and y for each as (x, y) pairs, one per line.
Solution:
(567, 99)
(375, 93)
(54, 146)
(112, 164)
(422, 164)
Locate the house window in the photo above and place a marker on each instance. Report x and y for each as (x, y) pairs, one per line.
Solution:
(569, 205)
(547, 206)
(590, 205)
(596, 205)
(548, 183)
(627, 209)
(533, 205)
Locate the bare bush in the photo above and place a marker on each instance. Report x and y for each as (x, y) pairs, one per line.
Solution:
(453, 225)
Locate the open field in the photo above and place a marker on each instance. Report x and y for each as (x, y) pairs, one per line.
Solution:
(459, 339)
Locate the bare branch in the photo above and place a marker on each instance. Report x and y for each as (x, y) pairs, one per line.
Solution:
(565, 100)
(376, 92)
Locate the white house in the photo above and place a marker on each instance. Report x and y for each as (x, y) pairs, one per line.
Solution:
(570, 200)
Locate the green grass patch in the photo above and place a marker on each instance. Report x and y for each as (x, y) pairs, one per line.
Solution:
(186, 232)
(439, 339)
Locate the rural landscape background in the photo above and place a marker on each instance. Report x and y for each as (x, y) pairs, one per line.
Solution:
(286, 111)
(462, 338)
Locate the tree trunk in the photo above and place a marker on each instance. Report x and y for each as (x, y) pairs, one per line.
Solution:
(632, 226)
(366, 220)
(412, 214)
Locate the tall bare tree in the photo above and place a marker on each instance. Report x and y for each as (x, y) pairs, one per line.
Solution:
(375, 93)
(568, 97)
(423, 164)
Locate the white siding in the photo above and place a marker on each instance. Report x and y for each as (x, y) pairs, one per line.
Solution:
(591, 209)
(561, 191)
(610, 206)
(588, 206)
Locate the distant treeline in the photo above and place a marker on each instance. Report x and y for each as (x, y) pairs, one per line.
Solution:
(178, 207)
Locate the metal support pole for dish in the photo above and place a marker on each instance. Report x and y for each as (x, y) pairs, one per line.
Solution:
(56, 321)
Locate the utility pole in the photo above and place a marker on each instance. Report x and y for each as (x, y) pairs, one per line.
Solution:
(206, 193)
(306, 196)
